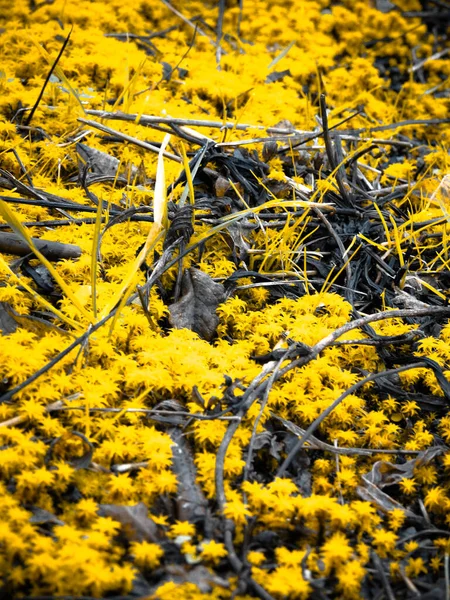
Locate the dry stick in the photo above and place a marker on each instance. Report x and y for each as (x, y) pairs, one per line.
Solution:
(149, 412)
(21, 418)
(330, 150)
(128, 138)
(384, 579)
(63, 222)
(262, 140)
(318, 134)
(20, 186)
(376, 141)
(410, 537)
(386, 191)
(235, 561)
(338, 241)
(315, 424)
(187, 21)
(408, 123)
(402, 338)
(337, 333)
(222, 4)
(258, 385)
(316, 444)
(147, 120)
(23, 169)
(48, 204)
(47, 79)
(447, 576)
(265, 399)
(11, 243)
(151, 119)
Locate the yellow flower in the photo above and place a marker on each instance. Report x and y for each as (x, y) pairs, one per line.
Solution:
(415, 567)
(336, 551)
(435, 499)
(408, 486)
(183, 528)
(237, 511)
(384, 541)
(289, 558)
(350, 576)
(396, 518)
(212, 551)
(146, 555)
(288, 581)
(255, 557)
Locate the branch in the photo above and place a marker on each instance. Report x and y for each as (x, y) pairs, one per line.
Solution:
(315, 424)
(10, 243)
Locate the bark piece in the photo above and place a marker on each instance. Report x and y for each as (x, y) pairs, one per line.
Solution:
(191, 502)
(7, 322)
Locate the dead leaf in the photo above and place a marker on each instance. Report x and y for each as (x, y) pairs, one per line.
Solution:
(36, 324)
(384, 473)
(100, 163)
(221, 186)
(269, 150)
(136, 525)
(277, 76)
(196, 309)
(370, 493)
(72, 447)
(284, 124)
(40, 516)
(7, 322)
(191, 502)
(205, 579)
(238, 232)
(266, 439)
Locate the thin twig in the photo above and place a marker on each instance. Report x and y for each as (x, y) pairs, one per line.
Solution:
(149, 412)
(47, 79)
(150, 119)
(315, 424)
(314, 443)
(340, 245)
(186, 20)
(128, 138)
(330, 150)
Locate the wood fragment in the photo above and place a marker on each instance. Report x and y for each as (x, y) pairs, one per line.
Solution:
(11, 243)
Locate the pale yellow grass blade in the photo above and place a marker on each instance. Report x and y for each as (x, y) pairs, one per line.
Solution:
(39, 299)
(157, 230)
(58, 72)
(94, 256)
(12, 220)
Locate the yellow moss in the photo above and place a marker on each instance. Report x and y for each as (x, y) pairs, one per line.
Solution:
(106, 390)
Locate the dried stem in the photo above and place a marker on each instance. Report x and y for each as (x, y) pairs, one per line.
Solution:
(315, 424)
